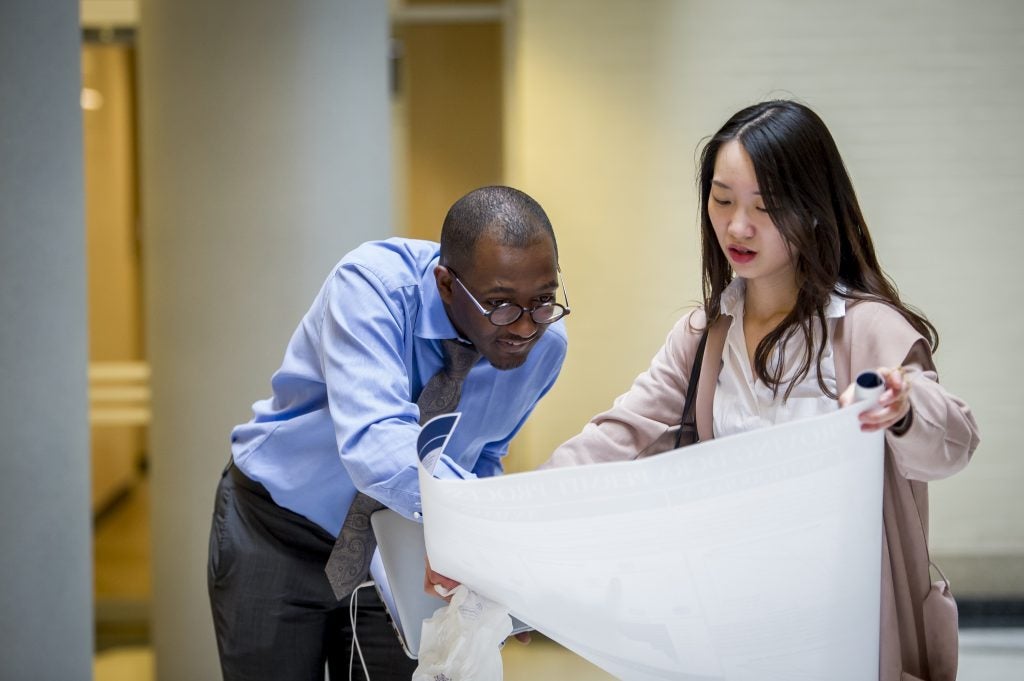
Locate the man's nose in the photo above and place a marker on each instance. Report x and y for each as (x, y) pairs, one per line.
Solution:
(524, 327)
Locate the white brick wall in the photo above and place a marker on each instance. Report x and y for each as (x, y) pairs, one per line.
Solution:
(610, 99)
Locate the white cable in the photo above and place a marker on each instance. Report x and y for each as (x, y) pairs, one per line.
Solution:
(353, 609)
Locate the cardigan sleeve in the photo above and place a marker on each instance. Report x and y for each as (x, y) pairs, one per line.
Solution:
(648, 411)
(943, 433)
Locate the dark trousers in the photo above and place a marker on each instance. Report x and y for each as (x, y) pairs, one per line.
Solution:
(275, 615)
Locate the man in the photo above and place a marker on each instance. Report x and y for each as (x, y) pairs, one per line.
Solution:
(340, 429)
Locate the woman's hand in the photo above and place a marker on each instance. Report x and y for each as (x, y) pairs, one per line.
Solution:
(432, 579)
(893, 404)
(523, 637)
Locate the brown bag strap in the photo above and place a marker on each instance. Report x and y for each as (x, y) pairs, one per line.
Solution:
(687, 421)
(927, 550)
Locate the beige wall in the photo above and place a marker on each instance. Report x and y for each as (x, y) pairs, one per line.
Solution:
(449, 100)
(608, 100)
(594, 137)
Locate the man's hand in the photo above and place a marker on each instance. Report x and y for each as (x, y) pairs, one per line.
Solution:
(432, 579)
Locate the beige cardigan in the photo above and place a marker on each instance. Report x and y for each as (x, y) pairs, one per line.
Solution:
(939, 442)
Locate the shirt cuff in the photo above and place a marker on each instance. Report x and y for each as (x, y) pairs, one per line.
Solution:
(447, 469)
(903, 425)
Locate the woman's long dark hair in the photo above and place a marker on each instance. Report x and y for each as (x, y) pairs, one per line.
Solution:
(808, 195)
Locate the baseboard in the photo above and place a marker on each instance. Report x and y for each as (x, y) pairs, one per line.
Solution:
(990, 613)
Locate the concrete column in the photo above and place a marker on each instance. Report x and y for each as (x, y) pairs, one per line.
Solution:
(265, 156)
(46, 596)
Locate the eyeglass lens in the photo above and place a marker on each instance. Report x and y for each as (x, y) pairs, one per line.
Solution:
(509, 314)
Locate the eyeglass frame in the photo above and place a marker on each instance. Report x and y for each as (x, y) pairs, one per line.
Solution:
(522, 310)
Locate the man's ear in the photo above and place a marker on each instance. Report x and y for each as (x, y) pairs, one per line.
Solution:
(445, 281)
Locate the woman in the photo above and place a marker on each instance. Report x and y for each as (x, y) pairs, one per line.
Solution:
(795, 306)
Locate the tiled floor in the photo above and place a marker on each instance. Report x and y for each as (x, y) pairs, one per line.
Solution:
(985, 655)
(990, 654)
(122, 586)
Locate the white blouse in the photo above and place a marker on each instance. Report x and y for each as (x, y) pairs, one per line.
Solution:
(743, 402)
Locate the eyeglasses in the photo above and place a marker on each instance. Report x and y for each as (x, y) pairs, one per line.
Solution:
(509, 313)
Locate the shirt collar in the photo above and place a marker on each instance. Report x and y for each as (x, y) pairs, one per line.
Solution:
(732, 300)
(836, 303)
(432, 322)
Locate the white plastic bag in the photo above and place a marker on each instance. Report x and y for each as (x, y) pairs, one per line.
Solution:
(462, 641)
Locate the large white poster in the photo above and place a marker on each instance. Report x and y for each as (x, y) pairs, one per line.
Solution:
(753, 557)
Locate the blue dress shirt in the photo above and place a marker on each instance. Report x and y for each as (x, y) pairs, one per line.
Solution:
(343, 414)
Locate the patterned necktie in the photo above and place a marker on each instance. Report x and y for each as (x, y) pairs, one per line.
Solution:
(350, 558)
